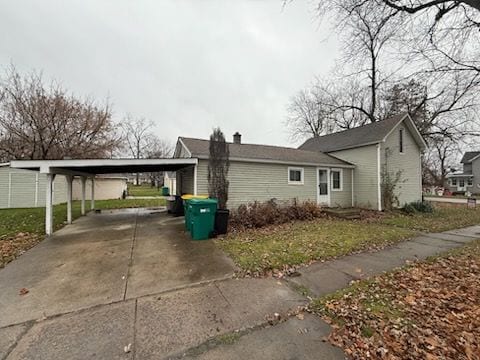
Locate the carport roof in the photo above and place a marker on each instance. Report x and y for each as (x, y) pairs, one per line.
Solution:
(89, 167)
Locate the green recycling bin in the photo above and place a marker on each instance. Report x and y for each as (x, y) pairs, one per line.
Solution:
(165, 191)
(202, 217)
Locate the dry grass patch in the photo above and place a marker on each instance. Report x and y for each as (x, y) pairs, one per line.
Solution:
(287, 245)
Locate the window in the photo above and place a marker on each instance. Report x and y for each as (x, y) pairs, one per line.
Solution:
(295, 176)
(400, 139)
(454, 181)
(337, 179)
(462, 183)
(470, 182)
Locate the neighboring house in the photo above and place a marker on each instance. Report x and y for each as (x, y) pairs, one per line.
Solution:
(262, 172)
(25, 188)
(170, 181)
(469, 179)
(392, 146)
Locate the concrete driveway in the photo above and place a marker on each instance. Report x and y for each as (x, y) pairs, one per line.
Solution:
(106, 258)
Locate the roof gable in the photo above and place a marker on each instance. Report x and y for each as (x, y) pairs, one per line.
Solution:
(469, 156)
(264, 153)
(369, 134)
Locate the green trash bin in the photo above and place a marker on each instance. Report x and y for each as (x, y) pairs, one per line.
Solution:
(165, 191)
(202, 217)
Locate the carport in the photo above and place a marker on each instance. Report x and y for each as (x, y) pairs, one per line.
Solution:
(89, 168)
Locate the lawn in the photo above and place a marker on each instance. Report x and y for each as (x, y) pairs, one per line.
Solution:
(442, 219)
(429, 310)
(280, 247)
(143, 190)
(21, 229)
(259, 251)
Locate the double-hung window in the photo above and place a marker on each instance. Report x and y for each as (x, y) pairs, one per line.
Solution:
(295, 176)
(337, 179)
(470, 182)
(454, 181)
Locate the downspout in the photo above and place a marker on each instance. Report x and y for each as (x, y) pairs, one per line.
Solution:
(379, 178)
(353, 189)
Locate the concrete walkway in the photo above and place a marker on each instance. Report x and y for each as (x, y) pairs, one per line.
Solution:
(218, 319)
(326, 277)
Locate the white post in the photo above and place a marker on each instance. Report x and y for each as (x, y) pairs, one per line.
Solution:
(83, 194)
(69, 198)
(49, 205)
(92, 198)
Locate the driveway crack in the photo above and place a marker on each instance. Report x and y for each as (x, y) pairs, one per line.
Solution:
(130, 262)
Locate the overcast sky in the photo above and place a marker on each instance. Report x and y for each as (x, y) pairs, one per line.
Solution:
(186, 65)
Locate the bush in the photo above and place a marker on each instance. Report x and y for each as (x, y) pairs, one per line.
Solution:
(418, 206)
(257, 215)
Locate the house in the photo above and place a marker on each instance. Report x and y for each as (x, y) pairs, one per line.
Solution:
(263, 172)
(469, 179)
(21, 188)
(388, 149)
(343, 169)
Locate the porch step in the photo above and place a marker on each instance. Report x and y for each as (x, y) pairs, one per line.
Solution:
(348, 214)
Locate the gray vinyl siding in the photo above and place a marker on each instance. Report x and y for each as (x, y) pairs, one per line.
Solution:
(24, 189)
(185, 181)
(262, 182)
(475, 189)
(409, 188)
(343, 198)
(202, 177)
(365, 174)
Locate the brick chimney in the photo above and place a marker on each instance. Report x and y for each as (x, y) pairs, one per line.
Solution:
(237, 138)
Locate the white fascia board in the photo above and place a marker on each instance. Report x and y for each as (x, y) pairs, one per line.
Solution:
(185, 147)
(293, 163)
(354, 146)
(47, 166)
(4, 164)
(413, 128)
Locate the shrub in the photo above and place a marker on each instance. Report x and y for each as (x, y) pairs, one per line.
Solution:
(257, 215)
(418, 206)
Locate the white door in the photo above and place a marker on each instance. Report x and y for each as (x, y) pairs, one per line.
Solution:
(461, 185)
(323, 188)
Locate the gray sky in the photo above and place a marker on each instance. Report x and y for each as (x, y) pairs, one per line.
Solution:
(186, 65)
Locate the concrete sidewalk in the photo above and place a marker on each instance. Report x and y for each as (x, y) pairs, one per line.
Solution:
(226, 319)
(323, 278)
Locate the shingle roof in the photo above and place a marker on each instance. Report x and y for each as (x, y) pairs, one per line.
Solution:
(468, 156)
(200, 148)
(347, 139)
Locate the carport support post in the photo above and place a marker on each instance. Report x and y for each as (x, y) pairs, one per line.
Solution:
(69, 198)
(84, 180)
(49, 205)
(92, 201)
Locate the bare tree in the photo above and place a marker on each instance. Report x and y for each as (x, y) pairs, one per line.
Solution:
(309, 114)
(137, 135)
(46, 122)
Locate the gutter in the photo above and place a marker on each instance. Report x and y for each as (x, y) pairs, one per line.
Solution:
(297, 163)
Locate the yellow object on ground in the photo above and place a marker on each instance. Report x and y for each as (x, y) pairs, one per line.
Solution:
(190, 196)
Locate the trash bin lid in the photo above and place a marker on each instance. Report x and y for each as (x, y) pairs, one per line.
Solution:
(196, 201)
(190, 196)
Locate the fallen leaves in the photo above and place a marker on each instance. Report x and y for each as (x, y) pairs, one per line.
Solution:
(430, 310)
(23, 291)
(14, 246)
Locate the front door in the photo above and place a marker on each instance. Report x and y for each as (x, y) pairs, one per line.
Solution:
(461, 184)
(323, 188)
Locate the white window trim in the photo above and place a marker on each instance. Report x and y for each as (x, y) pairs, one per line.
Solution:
(302, 173)
(454, 181)
(341, 179)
